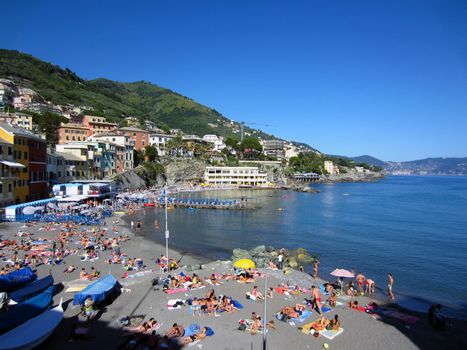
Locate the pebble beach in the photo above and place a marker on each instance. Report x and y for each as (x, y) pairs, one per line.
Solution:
(140, 296)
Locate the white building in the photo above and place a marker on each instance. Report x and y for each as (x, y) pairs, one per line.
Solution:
(237, 176)
(330, 167)
(124, 148)
(218, 142)
(159, 141)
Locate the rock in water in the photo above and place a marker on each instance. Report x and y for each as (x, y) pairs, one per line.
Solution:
(258, 250)
(240, 254)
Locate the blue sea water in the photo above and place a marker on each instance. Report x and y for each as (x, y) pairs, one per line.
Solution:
(413, 227)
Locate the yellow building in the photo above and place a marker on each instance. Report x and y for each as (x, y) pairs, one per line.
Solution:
(18, 139)
(8, 173)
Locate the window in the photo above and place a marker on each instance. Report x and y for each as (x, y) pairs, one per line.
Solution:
(67, 137)
(9, 188)
(9, 151)
(25, 155)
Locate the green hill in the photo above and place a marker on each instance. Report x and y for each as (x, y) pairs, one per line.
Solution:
(115, 100)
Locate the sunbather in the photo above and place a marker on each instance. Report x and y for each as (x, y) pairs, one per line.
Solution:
(321, 323)
(257, 294)
(175, 331)
(334, 324)
(332, 300)
(192, 338)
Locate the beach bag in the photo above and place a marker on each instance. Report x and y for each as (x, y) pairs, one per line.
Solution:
(209, 332)
(242, 327)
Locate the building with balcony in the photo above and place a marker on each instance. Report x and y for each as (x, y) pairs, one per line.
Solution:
(331, 168)
(30, 151)
(159, 141)
(75, 167)
(274, 148)
(217, 141)
(124, 148)
(235, 176)
(139, 136)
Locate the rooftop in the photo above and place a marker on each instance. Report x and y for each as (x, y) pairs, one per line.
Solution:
(20, 132)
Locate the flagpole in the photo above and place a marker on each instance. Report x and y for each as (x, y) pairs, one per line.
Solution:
(265, 310)
(166, 231)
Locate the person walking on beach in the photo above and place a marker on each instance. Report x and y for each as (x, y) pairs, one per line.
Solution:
(316, 297)
(315, 268)
(138, 226)
(390, 285)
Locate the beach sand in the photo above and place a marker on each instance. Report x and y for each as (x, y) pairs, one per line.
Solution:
(140, 297)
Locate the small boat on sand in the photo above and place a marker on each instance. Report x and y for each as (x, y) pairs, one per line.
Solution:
(32, 289)
(33, 332)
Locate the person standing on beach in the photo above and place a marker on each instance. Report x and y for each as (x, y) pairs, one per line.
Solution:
(315, 268)
(138, 226)
(390, 285)
(360, 279)
(280, 261)
(316, 297)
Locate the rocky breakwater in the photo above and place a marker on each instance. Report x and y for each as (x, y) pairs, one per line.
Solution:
(352, 176)
(300, 187)
(261, 255)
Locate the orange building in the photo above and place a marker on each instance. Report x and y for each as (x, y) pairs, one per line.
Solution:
(69, 132)
(140, 137)
(97, 125)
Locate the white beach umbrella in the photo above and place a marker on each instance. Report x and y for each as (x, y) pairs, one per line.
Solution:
(29, 210)
(342, 273)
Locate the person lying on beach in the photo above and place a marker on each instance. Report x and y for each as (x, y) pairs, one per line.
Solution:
(214, 280)
(321, 323)
(195, 337)
(83, 274)
(94, 273)
(212, 306)
(293, 312)
(175, 331)
(244, 279)
(227, 304)
(196, 282)
(70, 269)
(328, 288)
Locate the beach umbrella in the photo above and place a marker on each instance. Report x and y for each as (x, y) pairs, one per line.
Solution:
(342, 273)
(29, 210)
(244, 264)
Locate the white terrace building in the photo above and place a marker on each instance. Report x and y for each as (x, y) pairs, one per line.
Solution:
(237, 176)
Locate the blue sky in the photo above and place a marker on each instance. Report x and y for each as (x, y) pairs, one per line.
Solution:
(385, 78)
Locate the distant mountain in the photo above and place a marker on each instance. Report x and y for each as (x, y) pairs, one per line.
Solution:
(363, 159)
(429, 166)
(117, 100)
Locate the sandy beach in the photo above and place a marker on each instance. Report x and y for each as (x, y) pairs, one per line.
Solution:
(140, 297)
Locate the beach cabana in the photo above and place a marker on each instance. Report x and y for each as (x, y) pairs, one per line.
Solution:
(98, 291)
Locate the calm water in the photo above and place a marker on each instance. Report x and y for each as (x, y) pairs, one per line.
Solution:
(414, 227)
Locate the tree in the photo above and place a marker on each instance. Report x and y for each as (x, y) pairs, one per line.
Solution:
(151, 153)
(252, 144)
(231, 142)
(138, 157)
(48, 122)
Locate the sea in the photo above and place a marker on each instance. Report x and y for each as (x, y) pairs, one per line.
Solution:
(412, 226)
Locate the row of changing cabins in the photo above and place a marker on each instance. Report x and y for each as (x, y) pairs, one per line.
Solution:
(75, 192)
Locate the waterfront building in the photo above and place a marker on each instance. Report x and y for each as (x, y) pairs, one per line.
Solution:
(75, 167)
(139, 136)
(159, 141)
(274, 148)
(236, 176)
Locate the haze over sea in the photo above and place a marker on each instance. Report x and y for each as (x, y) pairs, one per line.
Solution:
(414, 227)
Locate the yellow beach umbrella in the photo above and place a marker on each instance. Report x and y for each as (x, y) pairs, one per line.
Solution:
(244, 264)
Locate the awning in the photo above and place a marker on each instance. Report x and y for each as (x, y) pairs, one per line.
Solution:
(12, 164)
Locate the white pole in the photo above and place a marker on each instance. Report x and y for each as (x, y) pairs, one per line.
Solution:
(166, 232)
(265, 310)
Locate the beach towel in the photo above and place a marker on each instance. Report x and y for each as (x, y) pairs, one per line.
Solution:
(237, 304)
(305, 314)
(178, 290)
(326, 309)
(173, 304)
(331, 334)
(192, 330)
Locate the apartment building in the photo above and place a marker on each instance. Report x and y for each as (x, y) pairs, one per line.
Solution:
(331, 168)
(216, 141)
(274, 148)
(236, 176)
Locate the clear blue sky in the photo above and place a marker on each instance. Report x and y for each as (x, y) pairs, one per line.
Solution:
(385, 78)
